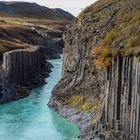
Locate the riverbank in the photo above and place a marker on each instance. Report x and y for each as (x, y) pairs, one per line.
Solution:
(80, 118)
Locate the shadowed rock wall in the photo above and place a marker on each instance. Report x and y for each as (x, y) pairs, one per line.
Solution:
(21, 71)
(22, 66)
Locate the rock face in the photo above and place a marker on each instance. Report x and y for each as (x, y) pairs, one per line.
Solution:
(8, 92)
(122, 100)
(54, 45)
(21, 66)
(99, 105)
(79, 77)
(22, 70)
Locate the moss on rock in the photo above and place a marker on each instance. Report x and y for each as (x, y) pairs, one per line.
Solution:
(83, 104)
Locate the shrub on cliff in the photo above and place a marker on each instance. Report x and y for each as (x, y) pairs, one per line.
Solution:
(103, 53)
(130, 43)
(102, 57)
(110, 37)
(110, 47)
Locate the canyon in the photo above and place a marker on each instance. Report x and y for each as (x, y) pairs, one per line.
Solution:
(99, 87)
(31, 47)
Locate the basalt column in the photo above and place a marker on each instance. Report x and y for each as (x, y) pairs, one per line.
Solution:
(122, 102)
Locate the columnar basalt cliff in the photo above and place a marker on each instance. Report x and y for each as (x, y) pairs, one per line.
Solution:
(100, 93)
(121, 112)
(22, 70)
(21, 66)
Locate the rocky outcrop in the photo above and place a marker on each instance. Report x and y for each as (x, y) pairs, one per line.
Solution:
(51, 42)
(21, 66)
(100, 104)
(22, 70)
(54, 48)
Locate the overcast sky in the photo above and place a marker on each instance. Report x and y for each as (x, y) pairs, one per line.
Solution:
(73, 6)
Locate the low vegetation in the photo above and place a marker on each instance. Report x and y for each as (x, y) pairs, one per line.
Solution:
(114, 34)
(83, 104)
(17, 33)
(104, 52)
(119, 41)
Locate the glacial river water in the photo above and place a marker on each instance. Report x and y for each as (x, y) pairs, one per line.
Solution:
(31, 119)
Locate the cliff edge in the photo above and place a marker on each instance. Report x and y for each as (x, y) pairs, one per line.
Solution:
(100, 76)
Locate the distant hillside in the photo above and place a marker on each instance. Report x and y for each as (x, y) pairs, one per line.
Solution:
(32, 10)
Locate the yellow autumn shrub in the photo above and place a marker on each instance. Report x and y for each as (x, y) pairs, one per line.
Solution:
(101, 54)
(130, 43)
(110, 37)
(104, 52)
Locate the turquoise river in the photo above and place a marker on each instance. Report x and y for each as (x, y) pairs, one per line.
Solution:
(31, 119)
